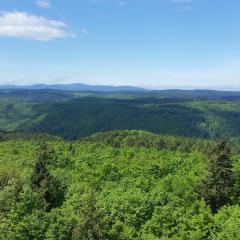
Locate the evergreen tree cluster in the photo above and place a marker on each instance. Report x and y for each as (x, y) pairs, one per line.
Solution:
(219, 184)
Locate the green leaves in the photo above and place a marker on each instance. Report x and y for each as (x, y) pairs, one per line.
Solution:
(226, 224)
(117, 191)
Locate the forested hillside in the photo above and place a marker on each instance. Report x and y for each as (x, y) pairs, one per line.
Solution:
(112, 186)
(73, 115)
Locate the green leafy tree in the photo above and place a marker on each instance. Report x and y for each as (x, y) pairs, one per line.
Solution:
(226, 224)
(217, 187)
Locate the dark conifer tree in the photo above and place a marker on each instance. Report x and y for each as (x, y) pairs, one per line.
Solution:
(217, 187)
(41, 180)
(40, 171)
(93, 221)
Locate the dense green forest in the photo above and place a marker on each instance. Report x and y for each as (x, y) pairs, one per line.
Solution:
(87, 165)
(72, 115)
(118, 185)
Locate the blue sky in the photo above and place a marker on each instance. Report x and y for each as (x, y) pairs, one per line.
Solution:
(153, 43)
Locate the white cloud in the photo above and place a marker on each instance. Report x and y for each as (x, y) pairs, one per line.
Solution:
(122, 3)
(43, 4)
(24, 25)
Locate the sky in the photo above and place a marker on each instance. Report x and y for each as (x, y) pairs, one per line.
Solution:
(148, 43)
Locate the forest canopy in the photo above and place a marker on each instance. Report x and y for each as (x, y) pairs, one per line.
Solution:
(99, 189)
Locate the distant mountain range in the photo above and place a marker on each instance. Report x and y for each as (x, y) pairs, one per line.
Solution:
(76, 87)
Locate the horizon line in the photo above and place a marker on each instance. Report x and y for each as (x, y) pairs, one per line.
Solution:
(144, 87)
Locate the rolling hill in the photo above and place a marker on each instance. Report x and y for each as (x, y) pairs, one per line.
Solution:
(75, 87)
(73, 115)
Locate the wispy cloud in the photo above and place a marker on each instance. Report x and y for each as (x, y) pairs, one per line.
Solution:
(187, 4)
(24, 25)
(84, 31)
(226, 72)
(43, 4)
(122, 3)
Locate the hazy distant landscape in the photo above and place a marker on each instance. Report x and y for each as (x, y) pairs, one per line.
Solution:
(75, 114)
